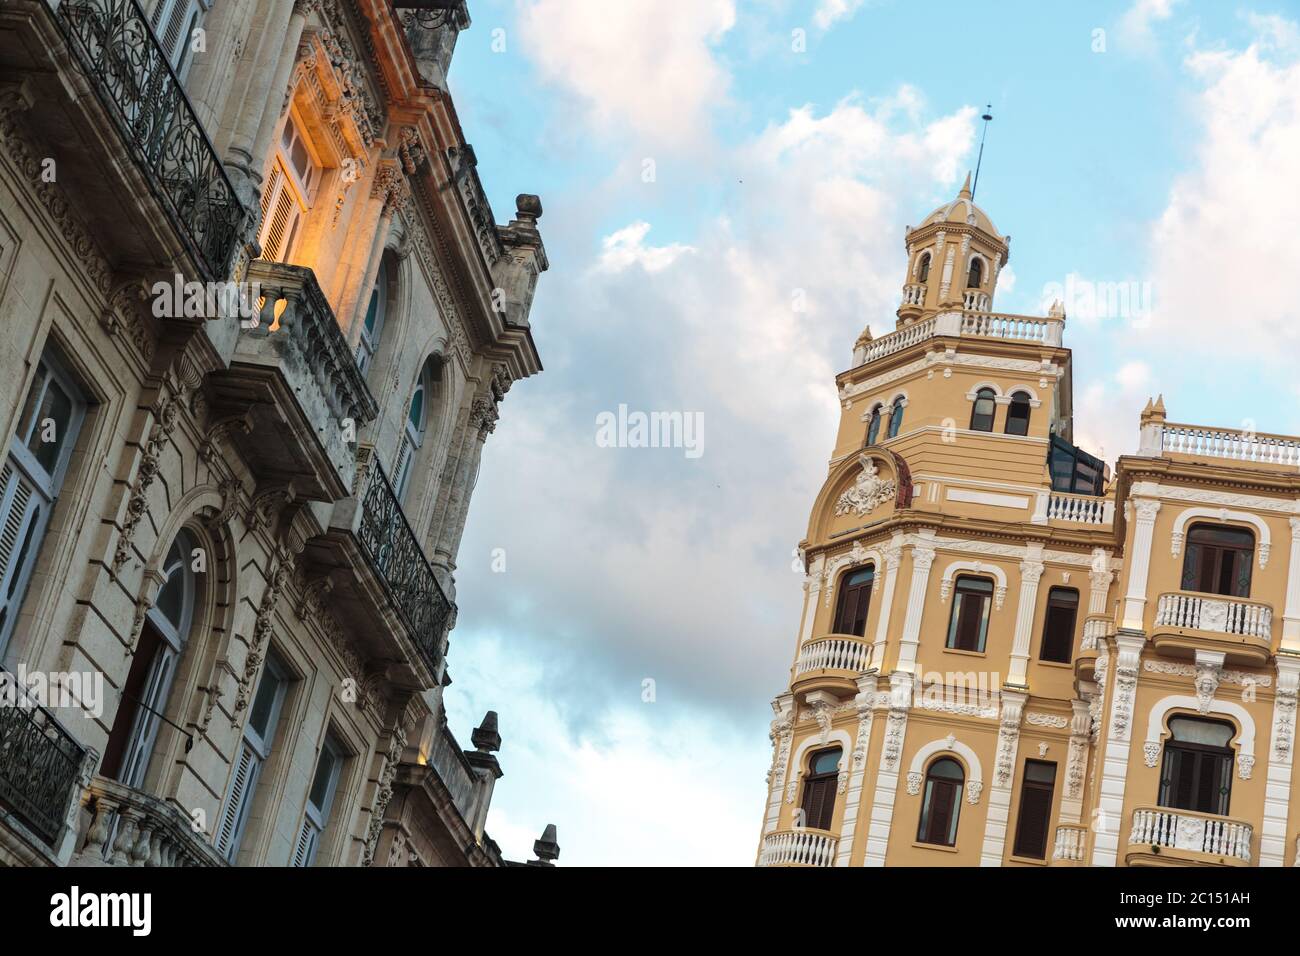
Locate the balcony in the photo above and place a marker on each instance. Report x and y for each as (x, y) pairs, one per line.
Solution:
(798, 848)
(1187, 622)
(133, 158)
(295, 385)
(1226, 443)
(966, 324)
(831, 663)
(1071, 845)
(126, 827)
(381, 579)
(1165, 837)
(1085, 510)
(975, 301)
(40, 765)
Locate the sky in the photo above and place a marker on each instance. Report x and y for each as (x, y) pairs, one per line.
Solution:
(726, 185)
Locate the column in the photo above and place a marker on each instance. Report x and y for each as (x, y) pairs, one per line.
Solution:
(1291, 616)
(1281, 753)
(893, 557)
(1119, 733)
(922, 559)
(995, 825)
(1135, 601)
(280, 81)
(812, 589)
(1031, 571)
(258, 96)
(864, 702)
(781, 734)
(1076, 764)
(891, 753)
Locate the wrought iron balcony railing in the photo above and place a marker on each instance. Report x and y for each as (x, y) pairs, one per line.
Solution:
(40, 763)
(395, 551)
(112, 43)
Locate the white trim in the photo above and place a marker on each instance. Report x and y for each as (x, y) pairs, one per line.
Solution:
(1161, 708)
(951, 745)
(997, 390)
(1222, 515)
(975, 567)
(1017, 502)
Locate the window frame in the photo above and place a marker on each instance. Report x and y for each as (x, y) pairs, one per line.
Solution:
(975, 271)
(1020, 402)
(369, 340)
(317, 818)
(849, 591)
(257, 746)
(1069, 632)
(1195, 553)
(923, 268)
(1027, 787)
(824, 786)
(896, 417)
(873, 425)
(952, 789)
(961, 589)
(984, 394)
(1224, 761)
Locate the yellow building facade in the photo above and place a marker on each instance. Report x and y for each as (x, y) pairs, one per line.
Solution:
(1008, 655)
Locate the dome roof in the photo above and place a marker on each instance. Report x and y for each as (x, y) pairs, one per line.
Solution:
(963, 210)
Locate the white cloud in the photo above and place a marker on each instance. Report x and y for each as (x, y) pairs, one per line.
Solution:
(828, 12)
(1106, 410)
(1135, 24)
(1224, 255)
(636, 65)
(626, 248)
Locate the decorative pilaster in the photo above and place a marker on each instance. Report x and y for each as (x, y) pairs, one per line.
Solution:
(1291, 616)
(812, 587)
(995, 826)
(922, 559)
(897, 704)
(1031, 571)
(1076, 763)
(893, 557)
(1135, 601)
(781, 735)
(1281, 755)
(1119, 732)
(864, 701)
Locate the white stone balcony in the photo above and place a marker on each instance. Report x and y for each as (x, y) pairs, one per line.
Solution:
(970, 323)
(798, 848)
(1187, 622)
(1229, 443)
(1162, 836)
(975, 301)
(1071, 844)
(913, 294)
(832, 663)
(127, 827)
(1074, 509)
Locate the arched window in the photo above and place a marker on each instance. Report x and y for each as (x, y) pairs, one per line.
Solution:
(873, 426)
(981, 415)
(1197, 770)
(148, 683)
(819, 788)
(968, 627)
(923, 273)
(1018, 414)
(1058, 625)
(417, 421)
(896, 416)
(976, 277)
(1218, 560)
(372, 329)
(854, 601)
(941, 803)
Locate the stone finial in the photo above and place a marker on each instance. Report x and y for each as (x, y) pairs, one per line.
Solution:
(864, 338)
(1159, 407)
(1057, 311)
(485, 736)
(528, 208)
(1154, 412)
(965, 188)
(547, 849)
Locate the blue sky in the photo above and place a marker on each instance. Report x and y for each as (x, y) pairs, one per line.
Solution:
(1161, 151)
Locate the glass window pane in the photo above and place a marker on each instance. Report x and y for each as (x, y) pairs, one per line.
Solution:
(946, 769)
(1209, 732)
(320, 784)
(260, 718)
(52, 420)
(416, 414)
(28, 420)
(828, 761)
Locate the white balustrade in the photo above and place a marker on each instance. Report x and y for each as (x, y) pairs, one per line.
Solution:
(1016, 327)
(1231, 444)
(1224, 615)
(901, 339)
(798, 848)
(1094, 629)
(1198, 832)
(835, 653)
(1071, 841)
(1081, 509)
(913, 294)
(975, 301)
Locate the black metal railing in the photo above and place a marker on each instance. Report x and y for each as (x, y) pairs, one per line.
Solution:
(114, 45)
(40, 762)
(392, 546)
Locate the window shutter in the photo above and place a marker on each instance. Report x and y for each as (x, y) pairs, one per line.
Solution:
(1031, 828)
(306, 847)
(22, 508)
(401, 467)
(279, 216)
(241, 789)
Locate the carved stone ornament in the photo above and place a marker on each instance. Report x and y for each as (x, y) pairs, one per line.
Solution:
(868, 492)
(973, 790)
(914, 782)
(1151, 752)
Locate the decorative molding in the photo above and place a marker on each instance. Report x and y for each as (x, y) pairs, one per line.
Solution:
(868, 490)
(1226, 676)
(165, 415)
(1047, 720)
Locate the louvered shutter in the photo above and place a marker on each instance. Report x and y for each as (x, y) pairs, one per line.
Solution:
(1031, 828)
(22, 511)
(279, 216)
(402, 467)
(242, 786)
(303, 852)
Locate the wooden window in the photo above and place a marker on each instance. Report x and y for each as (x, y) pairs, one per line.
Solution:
(255, 749)
(941, 803)
(319, 801)
(153, 667)
(372, 328)
(1018, 415)
(31, 477)
(923, 273)
(873, 427)
(1058, 625)
(1197, 771)
(854, 601)
(982, 412)
(1035, 817)
(975, 278)
(896, 417)
(969, 624)
(287, 193)
(819, 788)
(1218, 560)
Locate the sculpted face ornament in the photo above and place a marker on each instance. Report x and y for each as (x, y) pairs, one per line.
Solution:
(867, 492)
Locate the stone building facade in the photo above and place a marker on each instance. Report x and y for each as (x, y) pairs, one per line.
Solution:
(1009, 656)
(257, 321)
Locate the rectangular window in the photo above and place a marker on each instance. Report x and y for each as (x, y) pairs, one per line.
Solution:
(969, 624)
(1035, 817)
(1058, 625)
(854, 602)
(287, 193)
(31, 477)
(319, 800)
(254, 750)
